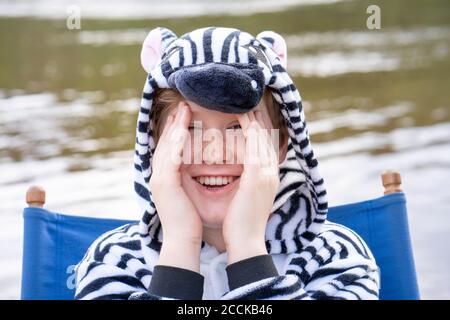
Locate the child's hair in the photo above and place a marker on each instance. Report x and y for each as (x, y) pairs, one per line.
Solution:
(165, 99)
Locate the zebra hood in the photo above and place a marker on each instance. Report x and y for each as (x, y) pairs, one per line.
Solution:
(226, 69)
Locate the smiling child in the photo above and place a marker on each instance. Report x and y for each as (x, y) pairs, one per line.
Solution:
(221, 220)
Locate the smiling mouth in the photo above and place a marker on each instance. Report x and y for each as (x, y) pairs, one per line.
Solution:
(215, 183)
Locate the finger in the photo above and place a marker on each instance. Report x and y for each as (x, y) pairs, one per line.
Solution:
(260, 120)
(251, 163)
(244, 121)
(185, 117)
(167, 125)
(185, 120)
(178, 120)
(178, 113)
(263, 119)
(180, 133)
(161, 148)
(263, 122)
(253, 132)
(266, 148)
(247, 119)
(271, 156)
(172, 157)
(263, 130)
(175, 113)
(256, 125)
(168, 146)
(251, 115)
(263, 146)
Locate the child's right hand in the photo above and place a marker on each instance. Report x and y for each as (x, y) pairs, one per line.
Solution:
(179, 218)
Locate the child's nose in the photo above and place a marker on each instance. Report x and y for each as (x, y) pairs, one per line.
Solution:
(227, 151)
(214, 152)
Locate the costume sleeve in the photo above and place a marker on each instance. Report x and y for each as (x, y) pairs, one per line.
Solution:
(336, 265)
(176, 283)
(250, 270)
(106, 281)
(113, 268)
(341, 279)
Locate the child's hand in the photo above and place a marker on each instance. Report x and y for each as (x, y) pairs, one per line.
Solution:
(179, 218)
(246, 220)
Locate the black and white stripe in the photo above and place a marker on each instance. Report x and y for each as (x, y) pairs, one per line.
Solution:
(326, 260)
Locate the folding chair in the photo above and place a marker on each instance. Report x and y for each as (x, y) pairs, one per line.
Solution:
(54, 242)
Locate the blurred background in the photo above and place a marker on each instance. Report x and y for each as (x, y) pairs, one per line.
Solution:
(375, 100)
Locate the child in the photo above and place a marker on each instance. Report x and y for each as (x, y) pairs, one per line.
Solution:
(219, 228)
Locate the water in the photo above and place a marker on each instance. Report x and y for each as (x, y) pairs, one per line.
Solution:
(375, 100)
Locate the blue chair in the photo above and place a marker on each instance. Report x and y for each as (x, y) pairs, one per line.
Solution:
(54, 243)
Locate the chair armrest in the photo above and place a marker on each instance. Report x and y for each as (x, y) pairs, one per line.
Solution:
(35, 197)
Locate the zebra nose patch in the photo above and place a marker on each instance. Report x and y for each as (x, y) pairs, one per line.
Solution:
(229, 88)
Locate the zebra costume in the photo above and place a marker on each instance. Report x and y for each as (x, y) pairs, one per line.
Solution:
(309, 257)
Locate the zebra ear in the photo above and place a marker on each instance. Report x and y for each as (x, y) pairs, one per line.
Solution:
(276, 42)
(154, 46)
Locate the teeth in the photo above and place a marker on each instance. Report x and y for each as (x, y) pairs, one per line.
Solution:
(215, 181)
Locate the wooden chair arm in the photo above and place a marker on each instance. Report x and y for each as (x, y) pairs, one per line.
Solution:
(35, 197)
(392, 181)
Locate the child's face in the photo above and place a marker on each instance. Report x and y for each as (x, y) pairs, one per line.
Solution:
(212, 201)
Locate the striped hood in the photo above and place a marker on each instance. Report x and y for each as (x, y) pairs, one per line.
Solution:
(226, 69)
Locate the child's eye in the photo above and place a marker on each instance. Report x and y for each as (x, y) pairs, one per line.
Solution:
(236, 126)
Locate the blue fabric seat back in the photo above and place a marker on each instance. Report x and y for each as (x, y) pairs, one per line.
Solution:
(383, 224)
(54, 243)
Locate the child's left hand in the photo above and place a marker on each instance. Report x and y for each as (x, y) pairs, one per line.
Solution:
(246, 220)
